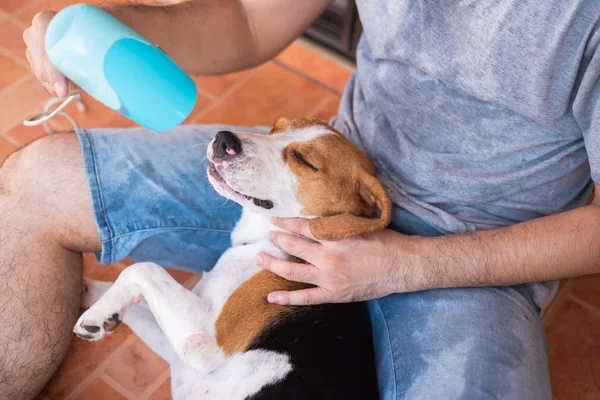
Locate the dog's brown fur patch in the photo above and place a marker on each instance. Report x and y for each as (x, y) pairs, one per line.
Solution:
(339, 186)
(246, 314)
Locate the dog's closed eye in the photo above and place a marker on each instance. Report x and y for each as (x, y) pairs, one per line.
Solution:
(300, 158)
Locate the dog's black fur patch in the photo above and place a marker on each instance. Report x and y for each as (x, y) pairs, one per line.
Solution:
(331, 351)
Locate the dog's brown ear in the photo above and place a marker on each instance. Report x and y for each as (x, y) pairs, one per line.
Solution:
(341, 226)
(280, 126)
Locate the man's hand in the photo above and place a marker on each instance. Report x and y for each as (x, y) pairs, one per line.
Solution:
(51, 79)
(353, 269)
(555, 247)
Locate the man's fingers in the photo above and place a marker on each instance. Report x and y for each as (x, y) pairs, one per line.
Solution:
(51, 78)
(291, 271)
(303, 297)
(296, 246)
(32, 56)
(296, 225)
(58, 82)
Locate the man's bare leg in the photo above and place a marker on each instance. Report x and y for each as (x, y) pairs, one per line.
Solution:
(46, 221)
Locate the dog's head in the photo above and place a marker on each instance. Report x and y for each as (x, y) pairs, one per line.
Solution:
(302, 168)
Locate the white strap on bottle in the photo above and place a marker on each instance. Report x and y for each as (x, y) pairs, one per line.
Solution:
(43, 117)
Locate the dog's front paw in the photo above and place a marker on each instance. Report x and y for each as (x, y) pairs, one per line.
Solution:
(94, 325)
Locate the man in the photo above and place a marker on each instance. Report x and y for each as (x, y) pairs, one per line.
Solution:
(482, 119)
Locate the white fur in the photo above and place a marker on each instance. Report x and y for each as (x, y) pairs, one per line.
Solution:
(241, 376)
(179, 324)
(259, 171)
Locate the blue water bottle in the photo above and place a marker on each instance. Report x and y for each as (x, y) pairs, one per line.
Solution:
(119, 68)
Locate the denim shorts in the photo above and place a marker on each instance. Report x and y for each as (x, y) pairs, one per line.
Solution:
(152, 199)
(152, 202)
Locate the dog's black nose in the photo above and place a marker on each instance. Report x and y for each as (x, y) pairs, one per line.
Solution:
(226, 145)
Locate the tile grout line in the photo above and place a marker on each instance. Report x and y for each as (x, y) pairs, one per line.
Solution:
(219, 99)
(235, 86)
(162, 378)
(583, 303)
(18, 81)
(210, 96)
(70, 128)
(16, 59)
(117, 386)
(12, 141)
(306, 77)
(58, 129)
(18, 22)
(4, 17)
(323, 51)
(320, 106)
(28, 7)
(556, 302)
(28, 113)
(192, 114)
(100, 368)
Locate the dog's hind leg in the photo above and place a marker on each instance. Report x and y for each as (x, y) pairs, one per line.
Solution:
(141, 321)
(185, 318)
(138, 318)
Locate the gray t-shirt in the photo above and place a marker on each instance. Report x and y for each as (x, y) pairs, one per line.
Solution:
(479, 114)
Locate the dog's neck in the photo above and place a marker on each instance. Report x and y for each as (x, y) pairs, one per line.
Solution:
(253, 227)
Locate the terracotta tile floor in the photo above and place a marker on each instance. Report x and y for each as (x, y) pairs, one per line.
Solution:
(302, 81)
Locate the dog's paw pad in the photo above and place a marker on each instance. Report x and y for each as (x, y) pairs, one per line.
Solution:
(89, 331)
(89, 328)
(112, 323)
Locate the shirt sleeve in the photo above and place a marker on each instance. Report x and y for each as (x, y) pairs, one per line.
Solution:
(586, 103)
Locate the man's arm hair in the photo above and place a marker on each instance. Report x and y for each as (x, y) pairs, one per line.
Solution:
(210, 37)
(558, 246)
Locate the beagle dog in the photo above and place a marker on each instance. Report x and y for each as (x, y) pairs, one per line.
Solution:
(223, 340)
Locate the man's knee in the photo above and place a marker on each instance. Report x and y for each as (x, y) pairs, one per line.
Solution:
(45, 185)
(39, 166)
(42, 198)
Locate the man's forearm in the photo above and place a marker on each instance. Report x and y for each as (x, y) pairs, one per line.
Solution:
(555, 247)
(209, 37)
(204, 37)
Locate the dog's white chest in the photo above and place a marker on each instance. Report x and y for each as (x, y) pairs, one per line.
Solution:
(235, 267)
